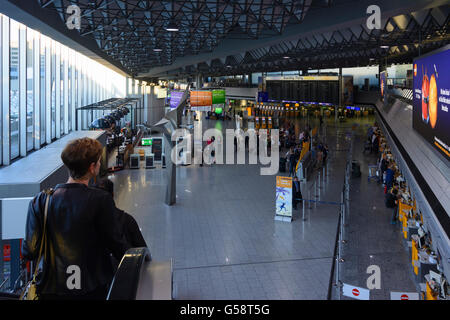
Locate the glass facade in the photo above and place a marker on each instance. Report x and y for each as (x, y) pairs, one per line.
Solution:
(42, 84)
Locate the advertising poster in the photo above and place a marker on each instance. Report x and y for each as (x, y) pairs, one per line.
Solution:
(347, 90)
(284, 197)
(431, 99)
(175, 98)
(383, 86)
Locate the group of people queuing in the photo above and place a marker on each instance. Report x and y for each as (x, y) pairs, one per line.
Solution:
(294, 147)
(80, 225)
(387, 169)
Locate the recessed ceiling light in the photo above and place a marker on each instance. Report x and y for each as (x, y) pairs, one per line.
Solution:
(157, 50)
(172, 27)
(286, 57)
(384, 47)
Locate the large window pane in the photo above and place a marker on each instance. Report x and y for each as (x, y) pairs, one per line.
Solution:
(14, 88)
(61, 89)
(53, 108)
(30, 100)
(69, 86)
(42, 85)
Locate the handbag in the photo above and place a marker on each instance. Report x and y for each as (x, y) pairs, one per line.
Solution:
(30, 291)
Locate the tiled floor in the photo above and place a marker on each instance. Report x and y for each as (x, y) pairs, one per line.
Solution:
(221, 233)
(372, 240)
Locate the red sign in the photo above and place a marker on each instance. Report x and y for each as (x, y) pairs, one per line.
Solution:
(404, 297)
(355, 292)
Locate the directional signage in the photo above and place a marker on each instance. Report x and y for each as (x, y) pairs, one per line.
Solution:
(355, 292)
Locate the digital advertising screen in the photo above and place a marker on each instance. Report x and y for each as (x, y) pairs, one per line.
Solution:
(175, 98)
(383, 79)
(431, 99)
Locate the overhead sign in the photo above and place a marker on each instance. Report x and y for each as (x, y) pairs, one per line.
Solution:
(175, 98)
(283, 197)
(355, 292)
(218, 97)
(201, 98)
(404, 296)
(161, 93)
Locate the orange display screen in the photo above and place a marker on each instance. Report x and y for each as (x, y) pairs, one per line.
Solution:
(201, 98)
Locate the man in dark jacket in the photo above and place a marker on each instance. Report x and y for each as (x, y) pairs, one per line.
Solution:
(128, 226)
(391, 202)
(296, 193)
(292, 162)
(81, 230)
(390, 176)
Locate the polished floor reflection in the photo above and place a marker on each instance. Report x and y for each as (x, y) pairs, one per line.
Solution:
(221, 233)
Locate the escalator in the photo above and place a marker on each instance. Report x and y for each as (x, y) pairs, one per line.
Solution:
(140, 278)
(137, 278)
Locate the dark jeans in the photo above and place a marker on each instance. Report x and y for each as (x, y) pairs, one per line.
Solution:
(295, 201)
(394, 214)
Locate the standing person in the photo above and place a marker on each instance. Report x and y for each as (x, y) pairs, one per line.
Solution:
(320, 120)
(375, 144)
(81, 229)
(383, 167)
(392, 202)
(296, 192)
(389, 177)
(292, 162)
(325, 153)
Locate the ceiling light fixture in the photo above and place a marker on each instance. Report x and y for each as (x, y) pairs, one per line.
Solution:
(157, 50)
(384, 47)
(172, 27)
(286, 57)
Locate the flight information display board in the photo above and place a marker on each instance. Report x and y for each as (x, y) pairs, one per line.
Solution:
(431, 99)
(324, 89)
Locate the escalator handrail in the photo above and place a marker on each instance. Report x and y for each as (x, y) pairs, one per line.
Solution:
(126, 280)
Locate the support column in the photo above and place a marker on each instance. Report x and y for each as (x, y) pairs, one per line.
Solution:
(340, 96)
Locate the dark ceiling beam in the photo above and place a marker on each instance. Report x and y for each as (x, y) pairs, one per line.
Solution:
(343, 16)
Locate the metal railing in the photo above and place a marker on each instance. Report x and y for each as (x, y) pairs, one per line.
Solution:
(344, 211)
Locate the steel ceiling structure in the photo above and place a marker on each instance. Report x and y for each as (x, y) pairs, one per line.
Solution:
(401, 39)
(130, 31)
(227, 37)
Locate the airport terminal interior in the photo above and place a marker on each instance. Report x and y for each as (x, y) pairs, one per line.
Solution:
(259, 150)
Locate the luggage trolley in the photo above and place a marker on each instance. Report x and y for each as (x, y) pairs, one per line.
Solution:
(374, 173)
